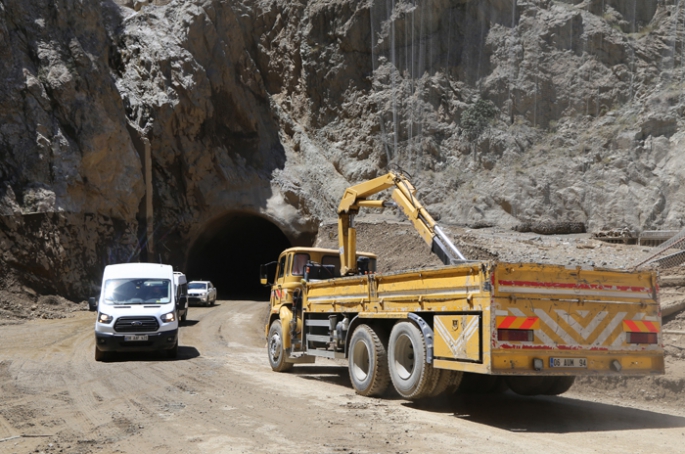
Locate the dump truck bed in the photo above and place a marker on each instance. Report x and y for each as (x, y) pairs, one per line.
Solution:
(515, 318)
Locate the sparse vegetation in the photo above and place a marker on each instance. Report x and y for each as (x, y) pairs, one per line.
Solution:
(476, 118)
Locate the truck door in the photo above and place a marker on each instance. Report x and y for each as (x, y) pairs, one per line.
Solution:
(277, 288)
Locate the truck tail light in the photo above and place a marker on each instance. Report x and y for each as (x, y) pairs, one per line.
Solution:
(642, 338)
(516, 335)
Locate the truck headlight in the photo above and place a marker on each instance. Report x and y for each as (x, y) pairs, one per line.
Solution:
(104, 318)
(170, 317)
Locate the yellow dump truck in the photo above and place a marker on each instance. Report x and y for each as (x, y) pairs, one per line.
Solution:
(468, 324)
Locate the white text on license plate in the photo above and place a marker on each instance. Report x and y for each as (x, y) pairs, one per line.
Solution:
(568, 362)
(135, 337)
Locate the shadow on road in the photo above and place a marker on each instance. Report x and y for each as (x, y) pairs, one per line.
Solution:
(336, 375)
(509, 411)
(546, 414)
(184, 353)
(217, 304)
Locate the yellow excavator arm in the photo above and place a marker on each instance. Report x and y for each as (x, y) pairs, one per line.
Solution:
(404, 195)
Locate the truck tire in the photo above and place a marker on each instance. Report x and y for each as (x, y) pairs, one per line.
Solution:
(560, 385)
(368, 362)
(412, 377)
(447, 382)
(275, 348)
(529, 385)
(100, 355)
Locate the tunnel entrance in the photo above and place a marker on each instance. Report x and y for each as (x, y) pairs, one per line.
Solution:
(229, 253)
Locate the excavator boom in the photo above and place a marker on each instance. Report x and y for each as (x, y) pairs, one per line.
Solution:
(404, 196)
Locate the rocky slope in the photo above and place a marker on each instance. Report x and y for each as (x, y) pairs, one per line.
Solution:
(504, 111)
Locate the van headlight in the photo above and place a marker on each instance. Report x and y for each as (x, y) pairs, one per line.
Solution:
(170, 317)
(104, 318)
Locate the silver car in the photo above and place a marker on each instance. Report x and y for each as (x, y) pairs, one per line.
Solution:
(201, 292)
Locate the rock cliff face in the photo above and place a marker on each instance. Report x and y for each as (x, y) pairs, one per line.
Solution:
(259, 113)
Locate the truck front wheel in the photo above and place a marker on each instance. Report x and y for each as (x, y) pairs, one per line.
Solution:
(368, 362)
(411, 375)
(275, 348)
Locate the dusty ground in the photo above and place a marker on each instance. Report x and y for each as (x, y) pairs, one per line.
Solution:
(221, 396)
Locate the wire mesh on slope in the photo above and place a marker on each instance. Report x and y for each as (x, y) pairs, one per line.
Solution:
(669, 254)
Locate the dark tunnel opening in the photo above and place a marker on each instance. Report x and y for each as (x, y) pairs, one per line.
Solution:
(229, 253)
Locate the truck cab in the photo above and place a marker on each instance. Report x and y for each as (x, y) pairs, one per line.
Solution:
(301, 263)
(286, 277)
(138, 309)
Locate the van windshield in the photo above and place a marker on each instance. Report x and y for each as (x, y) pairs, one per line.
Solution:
(137, 291)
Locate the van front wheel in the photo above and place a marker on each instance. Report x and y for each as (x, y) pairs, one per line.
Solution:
(100, 355)
(172, 353)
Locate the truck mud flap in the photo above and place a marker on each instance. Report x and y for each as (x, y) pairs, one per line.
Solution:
(427, 334)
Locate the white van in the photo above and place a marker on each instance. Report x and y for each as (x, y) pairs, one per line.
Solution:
(182, 300)
(138, 309)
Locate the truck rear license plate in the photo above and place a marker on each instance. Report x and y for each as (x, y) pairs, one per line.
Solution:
(568, 362)
(135, 337)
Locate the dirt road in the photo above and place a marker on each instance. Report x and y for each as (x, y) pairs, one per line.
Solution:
(220, 396)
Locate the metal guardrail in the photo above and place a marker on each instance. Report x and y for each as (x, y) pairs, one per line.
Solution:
(655, 237)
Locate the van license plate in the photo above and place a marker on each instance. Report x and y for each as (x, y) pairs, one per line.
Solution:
(135, 337)
(568, 362)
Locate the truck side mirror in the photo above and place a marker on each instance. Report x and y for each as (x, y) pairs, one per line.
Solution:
(267, 273)
(92, 304)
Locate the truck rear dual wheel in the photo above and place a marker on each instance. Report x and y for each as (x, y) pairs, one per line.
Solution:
(368, 362)
(560, 385)
(473, 383)
(528, 385)
(275, 349)
(412, 377)
(447, 382)
(534, 386)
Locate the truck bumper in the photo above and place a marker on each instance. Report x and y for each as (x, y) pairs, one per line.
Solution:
(598, 363)
(156, 341)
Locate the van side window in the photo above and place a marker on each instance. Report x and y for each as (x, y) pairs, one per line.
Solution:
(281, 267)
(299, 262)
(182, 292)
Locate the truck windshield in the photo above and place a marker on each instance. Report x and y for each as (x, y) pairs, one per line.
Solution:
(197, 286)
(137, 291)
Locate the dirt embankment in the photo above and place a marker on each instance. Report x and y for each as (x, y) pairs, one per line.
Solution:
(221, 396)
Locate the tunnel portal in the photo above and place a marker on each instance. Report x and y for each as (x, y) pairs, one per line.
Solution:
(229, 253)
